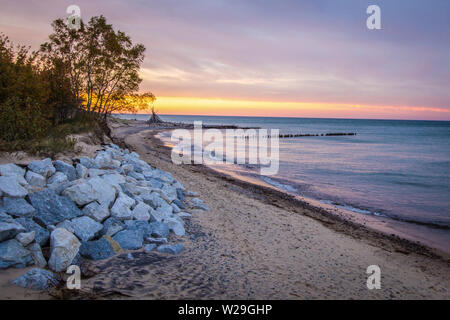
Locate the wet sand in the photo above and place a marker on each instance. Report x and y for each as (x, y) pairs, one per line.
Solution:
(257, 243)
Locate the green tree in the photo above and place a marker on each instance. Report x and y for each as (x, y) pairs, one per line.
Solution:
(103, 64)
(23, 94)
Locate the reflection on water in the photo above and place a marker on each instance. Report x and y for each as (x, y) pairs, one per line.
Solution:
(397, 169)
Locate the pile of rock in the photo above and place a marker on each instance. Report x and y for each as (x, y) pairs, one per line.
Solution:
(93, 208)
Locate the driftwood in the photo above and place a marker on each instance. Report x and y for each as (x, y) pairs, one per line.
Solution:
(154, 118)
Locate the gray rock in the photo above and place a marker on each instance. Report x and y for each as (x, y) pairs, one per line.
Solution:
(57, 178)
(64, 247)
(88, 163)
(61, 186)
(180, 194)
(10, 169)
(115, 147)
(149, 247)
(163, 212)
(170, 192)
(37, 279)
(138, 165)
(141, 212)
(135, 175)
(36, 253)
(156, 240)
(196, 203)
(106, 193)
(86, 228)
(82, 171)
(67, 169)
(148, 174)
(10, 186)
(129, 239)
(175, 208)
(178, 185)
(183, 215)
(13, 254)
(41, 234)
(159, 229)
(52, 208)
(121, 208)
(173, 249)
(66, 224)
(96, 211)
(9, 228)
(175, 225)
(81, 193)
(97, 250)
(104, 160)
(132, 189)
(25, 238)
(134, 155)
(153, 199)
(18, 207)
(127, 168)
(156, 183)
(44, 167)
(112, 226)
(35, 179)
(114, 179)
(96, 172)
(141, 227)
(94, 189)
(164, 176)
(188, 193)
(179, 204)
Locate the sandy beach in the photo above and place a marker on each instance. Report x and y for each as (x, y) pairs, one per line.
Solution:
(254, 243)
(257, 245)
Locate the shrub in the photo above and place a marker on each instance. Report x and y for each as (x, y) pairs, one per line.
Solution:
(22, 120)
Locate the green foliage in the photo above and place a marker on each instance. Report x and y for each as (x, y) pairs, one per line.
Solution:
(22, 120)
(69, 86)
(102, 64)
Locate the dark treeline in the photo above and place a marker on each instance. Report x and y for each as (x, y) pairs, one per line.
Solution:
(77, 78)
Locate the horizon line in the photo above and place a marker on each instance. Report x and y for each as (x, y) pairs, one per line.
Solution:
(281, 117)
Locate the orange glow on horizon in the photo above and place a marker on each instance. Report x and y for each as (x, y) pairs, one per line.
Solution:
(229, 107)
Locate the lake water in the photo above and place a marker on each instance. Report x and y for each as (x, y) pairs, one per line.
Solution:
(391, 168)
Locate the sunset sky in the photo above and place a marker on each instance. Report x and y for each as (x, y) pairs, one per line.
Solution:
(311, 58)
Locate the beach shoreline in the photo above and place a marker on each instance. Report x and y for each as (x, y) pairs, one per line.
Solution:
(401, 233)
(415, 257)
(254, 243)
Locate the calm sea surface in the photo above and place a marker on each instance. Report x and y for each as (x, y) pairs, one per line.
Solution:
(397, 169)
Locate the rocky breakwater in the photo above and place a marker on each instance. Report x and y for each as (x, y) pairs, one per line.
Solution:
(55, 214)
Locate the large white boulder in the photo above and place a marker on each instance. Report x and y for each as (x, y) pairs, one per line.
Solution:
(142, 212)
(86, 228)
(9, 227)
(81, 193)
(121, 208)
(106, 193)
(175, 225)
(10, 186)
(64, 247)
(35, 179)
(43, 167)
(96, 211)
